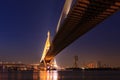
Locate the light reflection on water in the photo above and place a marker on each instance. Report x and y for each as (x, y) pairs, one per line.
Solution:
(61, 75)
(48, 75)
(79, 75)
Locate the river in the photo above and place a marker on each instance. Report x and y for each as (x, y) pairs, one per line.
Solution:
(62, 75)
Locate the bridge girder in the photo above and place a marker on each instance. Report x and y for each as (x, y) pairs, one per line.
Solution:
(83, 16)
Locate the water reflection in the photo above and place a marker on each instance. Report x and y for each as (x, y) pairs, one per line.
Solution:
(61, 75)
(16, 75)
(48, 75)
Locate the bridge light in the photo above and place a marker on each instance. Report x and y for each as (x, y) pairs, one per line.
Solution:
(83, 68)
(48, 67)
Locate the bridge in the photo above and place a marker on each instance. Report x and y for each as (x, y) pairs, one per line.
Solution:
(77, 18)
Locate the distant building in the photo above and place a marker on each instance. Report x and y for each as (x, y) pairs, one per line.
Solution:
(99, 65)
(10, 66)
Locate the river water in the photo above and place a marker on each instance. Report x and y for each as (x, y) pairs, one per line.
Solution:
(61, 75)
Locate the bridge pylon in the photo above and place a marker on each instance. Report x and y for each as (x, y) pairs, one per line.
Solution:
(43, 64)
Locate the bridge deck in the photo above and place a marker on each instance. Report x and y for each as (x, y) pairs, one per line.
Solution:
(83, 16)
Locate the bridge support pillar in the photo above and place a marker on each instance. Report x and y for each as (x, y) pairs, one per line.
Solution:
(48, 65)
(44, 65)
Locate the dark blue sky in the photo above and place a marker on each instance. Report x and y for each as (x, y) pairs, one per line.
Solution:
(23, 31)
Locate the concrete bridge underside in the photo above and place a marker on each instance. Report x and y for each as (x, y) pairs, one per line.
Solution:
(82, 17)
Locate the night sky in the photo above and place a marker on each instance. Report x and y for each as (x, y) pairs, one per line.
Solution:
(23, 30)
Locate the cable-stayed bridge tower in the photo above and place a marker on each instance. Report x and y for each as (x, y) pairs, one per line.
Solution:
(43, 63)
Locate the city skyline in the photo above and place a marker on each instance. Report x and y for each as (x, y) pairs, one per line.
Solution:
(24, 26)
